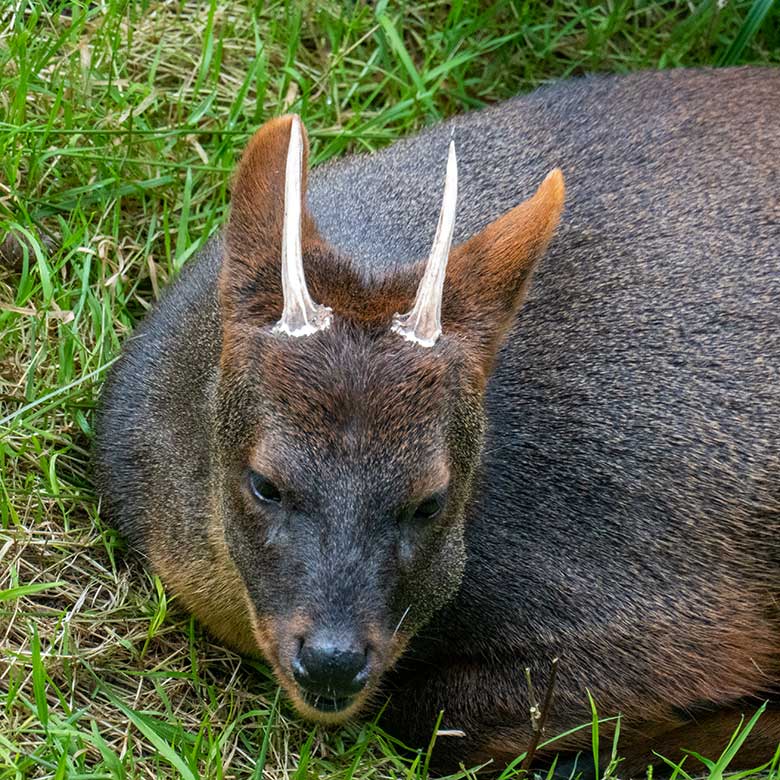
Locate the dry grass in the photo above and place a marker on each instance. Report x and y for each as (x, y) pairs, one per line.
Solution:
(120, 121)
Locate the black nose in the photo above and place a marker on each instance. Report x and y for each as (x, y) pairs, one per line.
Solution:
(329, 667)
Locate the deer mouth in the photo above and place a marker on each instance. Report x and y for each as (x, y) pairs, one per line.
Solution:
(327, 703)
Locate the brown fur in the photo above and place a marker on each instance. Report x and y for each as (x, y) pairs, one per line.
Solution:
(217, 596)
(729, 663)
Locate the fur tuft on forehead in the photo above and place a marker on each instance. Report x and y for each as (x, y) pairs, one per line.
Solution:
(355, 373)
(331, 278)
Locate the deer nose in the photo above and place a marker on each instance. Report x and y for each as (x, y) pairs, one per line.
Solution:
(332, 668)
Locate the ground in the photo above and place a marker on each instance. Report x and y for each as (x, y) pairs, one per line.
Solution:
(120, 122)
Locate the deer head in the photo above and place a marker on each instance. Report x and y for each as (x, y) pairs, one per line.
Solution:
(347, 435)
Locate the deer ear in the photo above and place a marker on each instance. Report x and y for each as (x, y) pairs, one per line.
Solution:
(257, 199)
(489, 275)
(250, 279)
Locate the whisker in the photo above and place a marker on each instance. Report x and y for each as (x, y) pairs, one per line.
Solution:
(403, 617)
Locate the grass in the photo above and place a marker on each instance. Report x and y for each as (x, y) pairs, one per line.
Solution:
(120, 122)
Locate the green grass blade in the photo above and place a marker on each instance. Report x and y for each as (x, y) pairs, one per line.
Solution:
(594, 735)
(752, 24)
(144, 726)
(397, 45)
(736, 742)
(11, 594)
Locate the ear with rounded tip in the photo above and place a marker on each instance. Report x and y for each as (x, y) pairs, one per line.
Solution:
(257, 194)
(251, 271)
(488, 276)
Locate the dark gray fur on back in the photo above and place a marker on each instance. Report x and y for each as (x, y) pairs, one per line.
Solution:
(637, 398)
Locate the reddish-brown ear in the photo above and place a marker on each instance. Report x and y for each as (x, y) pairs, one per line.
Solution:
(253, 238)
(488, 276)
(257, 200)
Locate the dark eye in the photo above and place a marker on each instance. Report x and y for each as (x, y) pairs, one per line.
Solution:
(428, 509)
(263, 489)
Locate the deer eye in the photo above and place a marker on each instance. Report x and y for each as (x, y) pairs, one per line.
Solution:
(263, 489)
(429, 508)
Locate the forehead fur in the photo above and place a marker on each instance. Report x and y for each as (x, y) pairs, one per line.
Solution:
(351, 403)
(252, 292)
(351, 380)
(357, 382)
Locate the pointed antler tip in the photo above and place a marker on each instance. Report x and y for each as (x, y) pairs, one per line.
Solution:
(422, 325)
(301, 316)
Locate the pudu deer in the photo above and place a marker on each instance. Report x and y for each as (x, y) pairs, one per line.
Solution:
(404, 474)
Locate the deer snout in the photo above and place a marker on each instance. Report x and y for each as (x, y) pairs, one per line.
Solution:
(331, 669)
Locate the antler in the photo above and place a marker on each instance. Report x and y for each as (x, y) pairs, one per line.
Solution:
(301, 316)
(422, 325)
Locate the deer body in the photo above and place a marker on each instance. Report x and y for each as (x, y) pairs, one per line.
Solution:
(619, 498)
